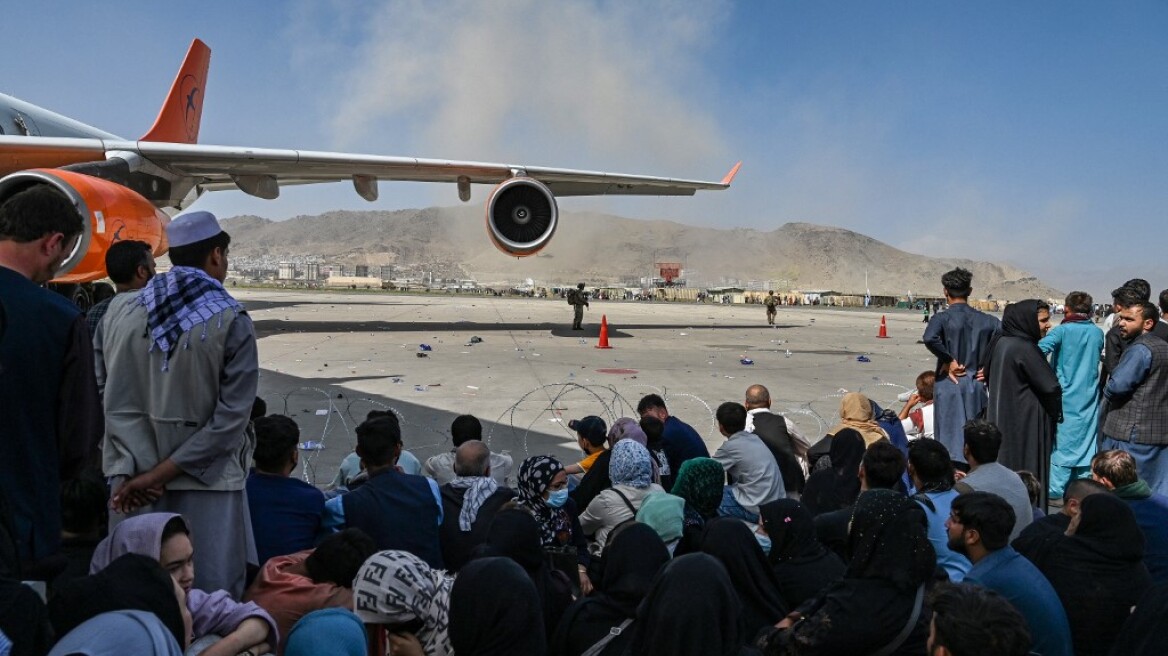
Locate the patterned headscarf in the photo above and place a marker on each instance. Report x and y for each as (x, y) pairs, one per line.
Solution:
(630, 465)
(699, 482)
(397, 587)
(535, 475)
(478, 488)
(888, 540)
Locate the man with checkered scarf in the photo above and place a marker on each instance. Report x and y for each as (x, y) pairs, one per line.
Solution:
(178, 368)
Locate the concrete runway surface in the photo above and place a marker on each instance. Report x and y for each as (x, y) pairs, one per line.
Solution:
(328, 358)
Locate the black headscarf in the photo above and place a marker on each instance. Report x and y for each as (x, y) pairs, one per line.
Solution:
(1108, 539)
(836, 488)
(24, 619)
(731, 542)
(131, 582)
(633, 555)
(889, 540)
(1018, 320)
(1098, 572)
(514, 534)
(791, 529)
(494, 611)
(692, 610)
(803, 566)
(632, 558)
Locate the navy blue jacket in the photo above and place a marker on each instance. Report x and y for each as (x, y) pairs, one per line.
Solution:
(398, 511)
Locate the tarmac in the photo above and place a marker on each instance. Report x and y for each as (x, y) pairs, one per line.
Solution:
(327, 358)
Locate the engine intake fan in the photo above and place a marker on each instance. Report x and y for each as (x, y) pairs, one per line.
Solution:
(521, 216)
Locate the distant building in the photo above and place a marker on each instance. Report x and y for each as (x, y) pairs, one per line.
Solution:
(362, 271)
(312, 271)
(286, 271)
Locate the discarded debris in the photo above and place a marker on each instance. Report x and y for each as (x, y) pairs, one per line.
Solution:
(863, 358)
(747, 361)
(311, 445)
(425, 347)
(422, 355)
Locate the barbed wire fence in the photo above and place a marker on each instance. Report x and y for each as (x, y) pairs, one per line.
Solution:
(327, 419)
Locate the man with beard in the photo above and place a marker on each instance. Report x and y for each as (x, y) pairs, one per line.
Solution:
(979, 528)
(1137, 397)
(48, 396)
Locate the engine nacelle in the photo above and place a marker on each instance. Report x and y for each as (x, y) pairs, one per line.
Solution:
(110, 211)
(521, 216)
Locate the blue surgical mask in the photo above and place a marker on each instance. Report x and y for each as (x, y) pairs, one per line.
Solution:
(764, 541)
(558, 498)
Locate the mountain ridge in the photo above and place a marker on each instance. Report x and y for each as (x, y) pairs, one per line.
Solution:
(601, 248)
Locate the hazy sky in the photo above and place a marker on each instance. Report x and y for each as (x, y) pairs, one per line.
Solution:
(1029, 132)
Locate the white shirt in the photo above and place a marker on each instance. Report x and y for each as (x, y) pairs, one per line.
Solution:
(791, 427)
(926, 431)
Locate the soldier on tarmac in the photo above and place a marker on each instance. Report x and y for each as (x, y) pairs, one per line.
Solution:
(772, 307)
(578, 300)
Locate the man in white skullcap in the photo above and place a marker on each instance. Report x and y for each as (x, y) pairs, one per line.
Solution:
(178, 368)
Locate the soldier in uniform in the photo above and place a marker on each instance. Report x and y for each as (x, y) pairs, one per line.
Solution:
(772, 307)
(578, 300)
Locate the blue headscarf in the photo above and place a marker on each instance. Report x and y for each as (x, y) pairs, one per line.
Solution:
(120, 632)
(631, 465)
(329, 631)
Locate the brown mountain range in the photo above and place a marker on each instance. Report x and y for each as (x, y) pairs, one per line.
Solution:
(600, 248)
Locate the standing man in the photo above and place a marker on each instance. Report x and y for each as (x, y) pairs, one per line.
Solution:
(1137, 397)
(1074, 347)
(959, 338)
(772, 307)
(50, 413)
(578, 300)
(130, 265)
(178, 367)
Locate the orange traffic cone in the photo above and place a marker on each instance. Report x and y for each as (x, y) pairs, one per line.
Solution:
(883, 328)
(603, 332)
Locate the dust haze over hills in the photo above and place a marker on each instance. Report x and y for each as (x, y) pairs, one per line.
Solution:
(599, 248)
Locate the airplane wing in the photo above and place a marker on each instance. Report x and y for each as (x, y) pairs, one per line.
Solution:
(261, 171)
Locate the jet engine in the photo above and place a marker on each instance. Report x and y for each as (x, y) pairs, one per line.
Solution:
(521, 216)
(110, 212)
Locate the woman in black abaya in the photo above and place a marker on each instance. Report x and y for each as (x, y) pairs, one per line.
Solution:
(730, 541)
(691, 610)
(802, 565)
(632, 558)
(878, 604)
(837, 487)
(1098, 571)
(1025, 397)
(494, 611)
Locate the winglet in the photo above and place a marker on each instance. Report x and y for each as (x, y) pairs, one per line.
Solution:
(178, 120)
(730, 176)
